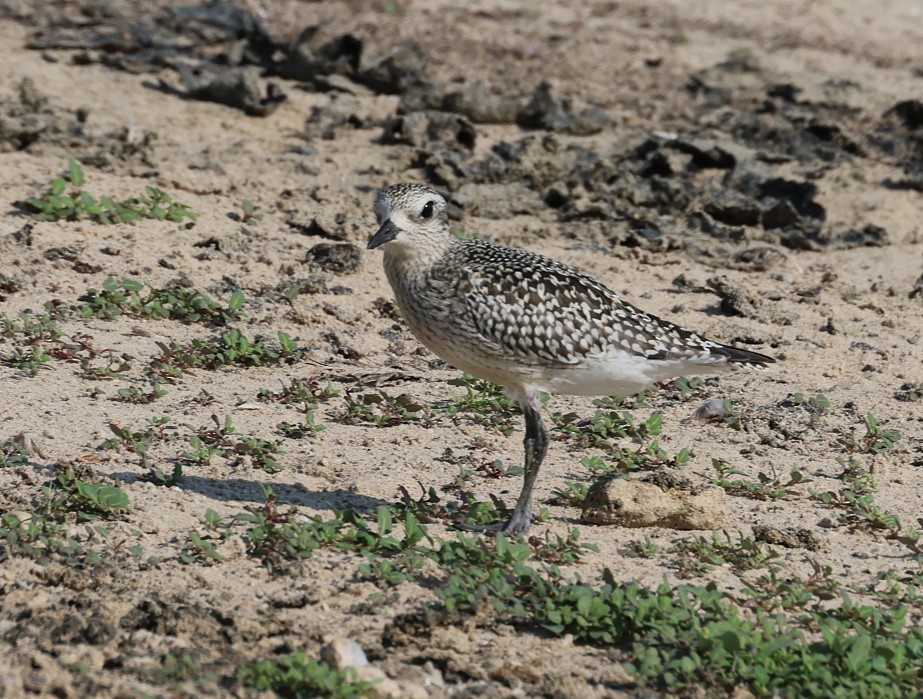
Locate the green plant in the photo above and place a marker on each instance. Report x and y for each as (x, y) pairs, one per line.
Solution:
(305, 429)
(39, 538)
(699, 555)
(67, 493)
(381, 409)
(14, 453)
(178, 668)
(857, 499)
(137, 396)
(29, 360)
(67, 201)
(561, 550)
(199, 549)
(605, 426)
(483, 403)
(131, 297)
(231, 349)
(386, 573)
(138, 442)
(572, 494)
(769, 487)
(280, 539)
(31, 337)
(297, 677)
(306, 392)
(817, 404)
(248, 212)
(641, 549)
(875, 440)
(692, 639)
(199, 453)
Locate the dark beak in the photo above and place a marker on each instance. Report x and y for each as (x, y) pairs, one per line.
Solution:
(385, 234)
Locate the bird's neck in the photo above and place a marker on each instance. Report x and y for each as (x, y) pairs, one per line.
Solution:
(410, 261)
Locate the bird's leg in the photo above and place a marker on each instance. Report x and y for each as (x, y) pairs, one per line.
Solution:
(536, 446)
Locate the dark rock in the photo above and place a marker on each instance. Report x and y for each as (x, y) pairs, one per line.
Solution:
(780, 215)
(332, 230)
(306, 61)
(431, 131)
(800, 194)
(481, 104)
(708, 153)
(477, 101)
(445, 168)
(236, 87)
(397, 71)
(340, 112)
(151, 42)
(66, 252)
(666, 163)
(735, 300)
(82, 267)
(8, 286)
(28, 121)
(917, 289)
(789, 538)
(733, 208)
(497, 200)
(910, 112)
(869, 235)
(559, 114)
(537, 161)
(338, 258)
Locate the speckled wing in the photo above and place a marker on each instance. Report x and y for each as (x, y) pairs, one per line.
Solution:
(547, 312)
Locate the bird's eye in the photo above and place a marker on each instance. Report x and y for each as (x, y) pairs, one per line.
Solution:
(427, 212)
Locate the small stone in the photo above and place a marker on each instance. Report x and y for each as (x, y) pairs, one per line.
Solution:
(551, 112)
(780, 215)
(412, 690)
(384, 686)
(711, 410)
(339, 258)
(342, 653)
(789, 538)
(636, 503)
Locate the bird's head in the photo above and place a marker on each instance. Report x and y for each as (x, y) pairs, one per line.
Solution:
(412, 218)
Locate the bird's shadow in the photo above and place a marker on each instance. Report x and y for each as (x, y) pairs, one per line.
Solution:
(247, 490)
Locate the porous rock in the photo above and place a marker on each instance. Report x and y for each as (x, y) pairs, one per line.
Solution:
(627, 502)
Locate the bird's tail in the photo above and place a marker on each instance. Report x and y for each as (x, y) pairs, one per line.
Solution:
(735, 355)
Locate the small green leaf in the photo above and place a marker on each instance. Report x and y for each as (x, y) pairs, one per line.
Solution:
(76, 173)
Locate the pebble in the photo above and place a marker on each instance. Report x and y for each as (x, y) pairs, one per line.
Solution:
(342, 653)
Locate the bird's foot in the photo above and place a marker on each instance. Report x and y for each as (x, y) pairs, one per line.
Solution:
(517, 525)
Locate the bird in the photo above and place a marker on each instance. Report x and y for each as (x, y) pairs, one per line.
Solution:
(526, 322)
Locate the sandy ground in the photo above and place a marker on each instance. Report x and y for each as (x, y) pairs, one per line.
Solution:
(839, 317)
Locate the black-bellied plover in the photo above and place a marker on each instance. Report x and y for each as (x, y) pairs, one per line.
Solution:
(526, 322)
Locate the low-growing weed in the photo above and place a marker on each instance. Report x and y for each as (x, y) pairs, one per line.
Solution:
(561, 550)
(768, 487)
(699, 555)
(297, 677)
(381, 409)
(67, 201)
(131, 297)
(67, 493)
(483, 403)
(875, 440)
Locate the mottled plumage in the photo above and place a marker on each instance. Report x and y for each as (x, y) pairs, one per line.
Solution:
(524, 321)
